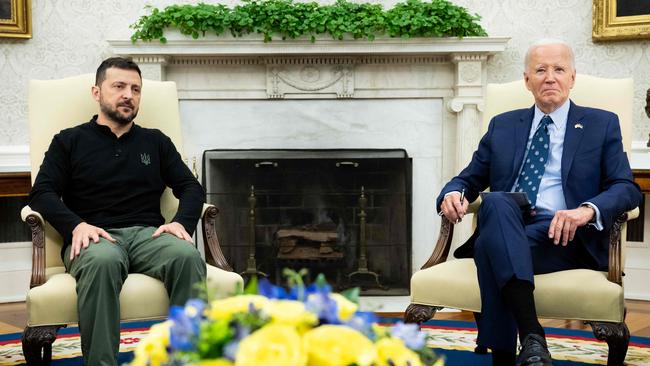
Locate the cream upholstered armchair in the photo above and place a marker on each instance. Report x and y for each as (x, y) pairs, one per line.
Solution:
(52, 298)
(595, 297)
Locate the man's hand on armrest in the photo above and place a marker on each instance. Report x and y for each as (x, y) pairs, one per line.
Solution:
(175, 229)
(83, 234)
(453, 208)
(565, 222)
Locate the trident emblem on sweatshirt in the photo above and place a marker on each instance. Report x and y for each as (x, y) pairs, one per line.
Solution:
(145, 158)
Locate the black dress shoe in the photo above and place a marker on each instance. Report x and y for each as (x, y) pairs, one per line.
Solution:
(534, 352)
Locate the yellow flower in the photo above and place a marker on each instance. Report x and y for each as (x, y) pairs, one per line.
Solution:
(393, 349)
(152, 350)
(337, 345)
(346, 308)
(290, 313)
(217, 362)
(225, 308)
(380, 330)
(272, 345)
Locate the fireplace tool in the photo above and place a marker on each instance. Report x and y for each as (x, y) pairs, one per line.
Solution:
(251, 263)
(363, 260)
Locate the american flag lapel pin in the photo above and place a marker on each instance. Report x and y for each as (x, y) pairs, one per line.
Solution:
(578, 125)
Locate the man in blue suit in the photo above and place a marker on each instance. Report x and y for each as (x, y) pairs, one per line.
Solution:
(570, 161)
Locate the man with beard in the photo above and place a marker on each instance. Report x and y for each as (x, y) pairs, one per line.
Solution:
(99, 186)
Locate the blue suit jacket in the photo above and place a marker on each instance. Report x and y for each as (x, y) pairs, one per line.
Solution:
(594, 168)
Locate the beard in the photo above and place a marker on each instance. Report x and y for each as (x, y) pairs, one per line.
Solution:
(114, 114)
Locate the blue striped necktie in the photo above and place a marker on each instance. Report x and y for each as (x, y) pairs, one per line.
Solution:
(535, 162)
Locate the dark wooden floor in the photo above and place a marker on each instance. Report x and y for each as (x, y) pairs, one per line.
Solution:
(13, 318)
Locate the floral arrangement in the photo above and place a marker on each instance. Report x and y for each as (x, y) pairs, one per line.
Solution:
(269, 325)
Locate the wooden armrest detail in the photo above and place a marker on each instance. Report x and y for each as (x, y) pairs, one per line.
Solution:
(213, 253)
(441, 250)
(443, 245)
(615, 268)
(37, 227)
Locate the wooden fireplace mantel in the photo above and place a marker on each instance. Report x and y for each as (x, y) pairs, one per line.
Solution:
(15, 184)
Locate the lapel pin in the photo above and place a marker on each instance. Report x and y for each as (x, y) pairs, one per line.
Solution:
(578, 125)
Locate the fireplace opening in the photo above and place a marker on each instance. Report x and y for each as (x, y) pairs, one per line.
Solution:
(344, 213)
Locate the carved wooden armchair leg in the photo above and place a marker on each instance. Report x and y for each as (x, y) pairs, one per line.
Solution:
(416, 313)
(37, 344)
(617, 336)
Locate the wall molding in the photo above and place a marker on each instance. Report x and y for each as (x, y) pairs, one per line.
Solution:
(14, 158)
(15, 271)
(253, 45)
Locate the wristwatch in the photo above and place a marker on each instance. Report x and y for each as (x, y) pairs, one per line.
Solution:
(593, 219)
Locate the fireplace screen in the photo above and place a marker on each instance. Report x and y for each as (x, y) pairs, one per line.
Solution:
(344, 213)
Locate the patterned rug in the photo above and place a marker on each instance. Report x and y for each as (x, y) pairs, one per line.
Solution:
(454, 339)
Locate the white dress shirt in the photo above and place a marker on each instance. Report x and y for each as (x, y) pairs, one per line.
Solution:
(550, 196)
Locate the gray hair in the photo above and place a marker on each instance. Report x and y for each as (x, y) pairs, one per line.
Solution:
(549, 41)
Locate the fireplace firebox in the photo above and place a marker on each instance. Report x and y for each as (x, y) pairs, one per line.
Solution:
(344, 213)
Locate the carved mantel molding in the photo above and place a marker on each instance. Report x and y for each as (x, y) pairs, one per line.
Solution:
(252, 45)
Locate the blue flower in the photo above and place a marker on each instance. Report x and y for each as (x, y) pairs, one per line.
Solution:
(230, 349)
(325, 308)
(266, 288)
(194, 309)
(241, 331)
(322, 288)
(410, 334)
(182, 331)
(186, 322)
(363, 321)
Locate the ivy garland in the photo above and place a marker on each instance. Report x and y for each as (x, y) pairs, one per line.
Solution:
(412, 18)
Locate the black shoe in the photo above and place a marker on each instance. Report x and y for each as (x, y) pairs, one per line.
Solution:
(534, 352)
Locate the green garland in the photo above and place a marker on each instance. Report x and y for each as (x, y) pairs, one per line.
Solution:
(413, 18)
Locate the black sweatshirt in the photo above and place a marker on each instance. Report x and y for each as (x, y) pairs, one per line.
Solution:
(90, 175)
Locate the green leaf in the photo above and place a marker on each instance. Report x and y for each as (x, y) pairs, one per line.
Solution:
(352, 294)
(251, 287)
(411, 18)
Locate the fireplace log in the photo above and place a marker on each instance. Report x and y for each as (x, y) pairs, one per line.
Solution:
(319, 236)
(307, 243)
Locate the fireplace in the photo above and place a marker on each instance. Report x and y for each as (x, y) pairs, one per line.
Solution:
(344, 213)
(422, 95)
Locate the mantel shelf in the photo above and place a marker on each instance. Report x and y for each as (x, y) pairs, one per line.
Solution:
(253, 45)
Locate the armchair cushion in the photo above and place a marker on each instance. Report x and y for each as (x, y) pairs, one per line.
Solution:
(142, 297)
(561, 295)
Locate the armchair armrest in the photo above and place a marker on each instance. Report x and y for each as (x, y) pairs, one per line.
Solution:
(473, 207)
(213, 253)
(37, 226)
(615, 267)
(35, 220)
(441, 250)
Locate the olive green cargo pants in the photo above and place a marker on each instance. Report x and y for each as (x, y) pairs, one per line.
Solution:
(102, 268)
